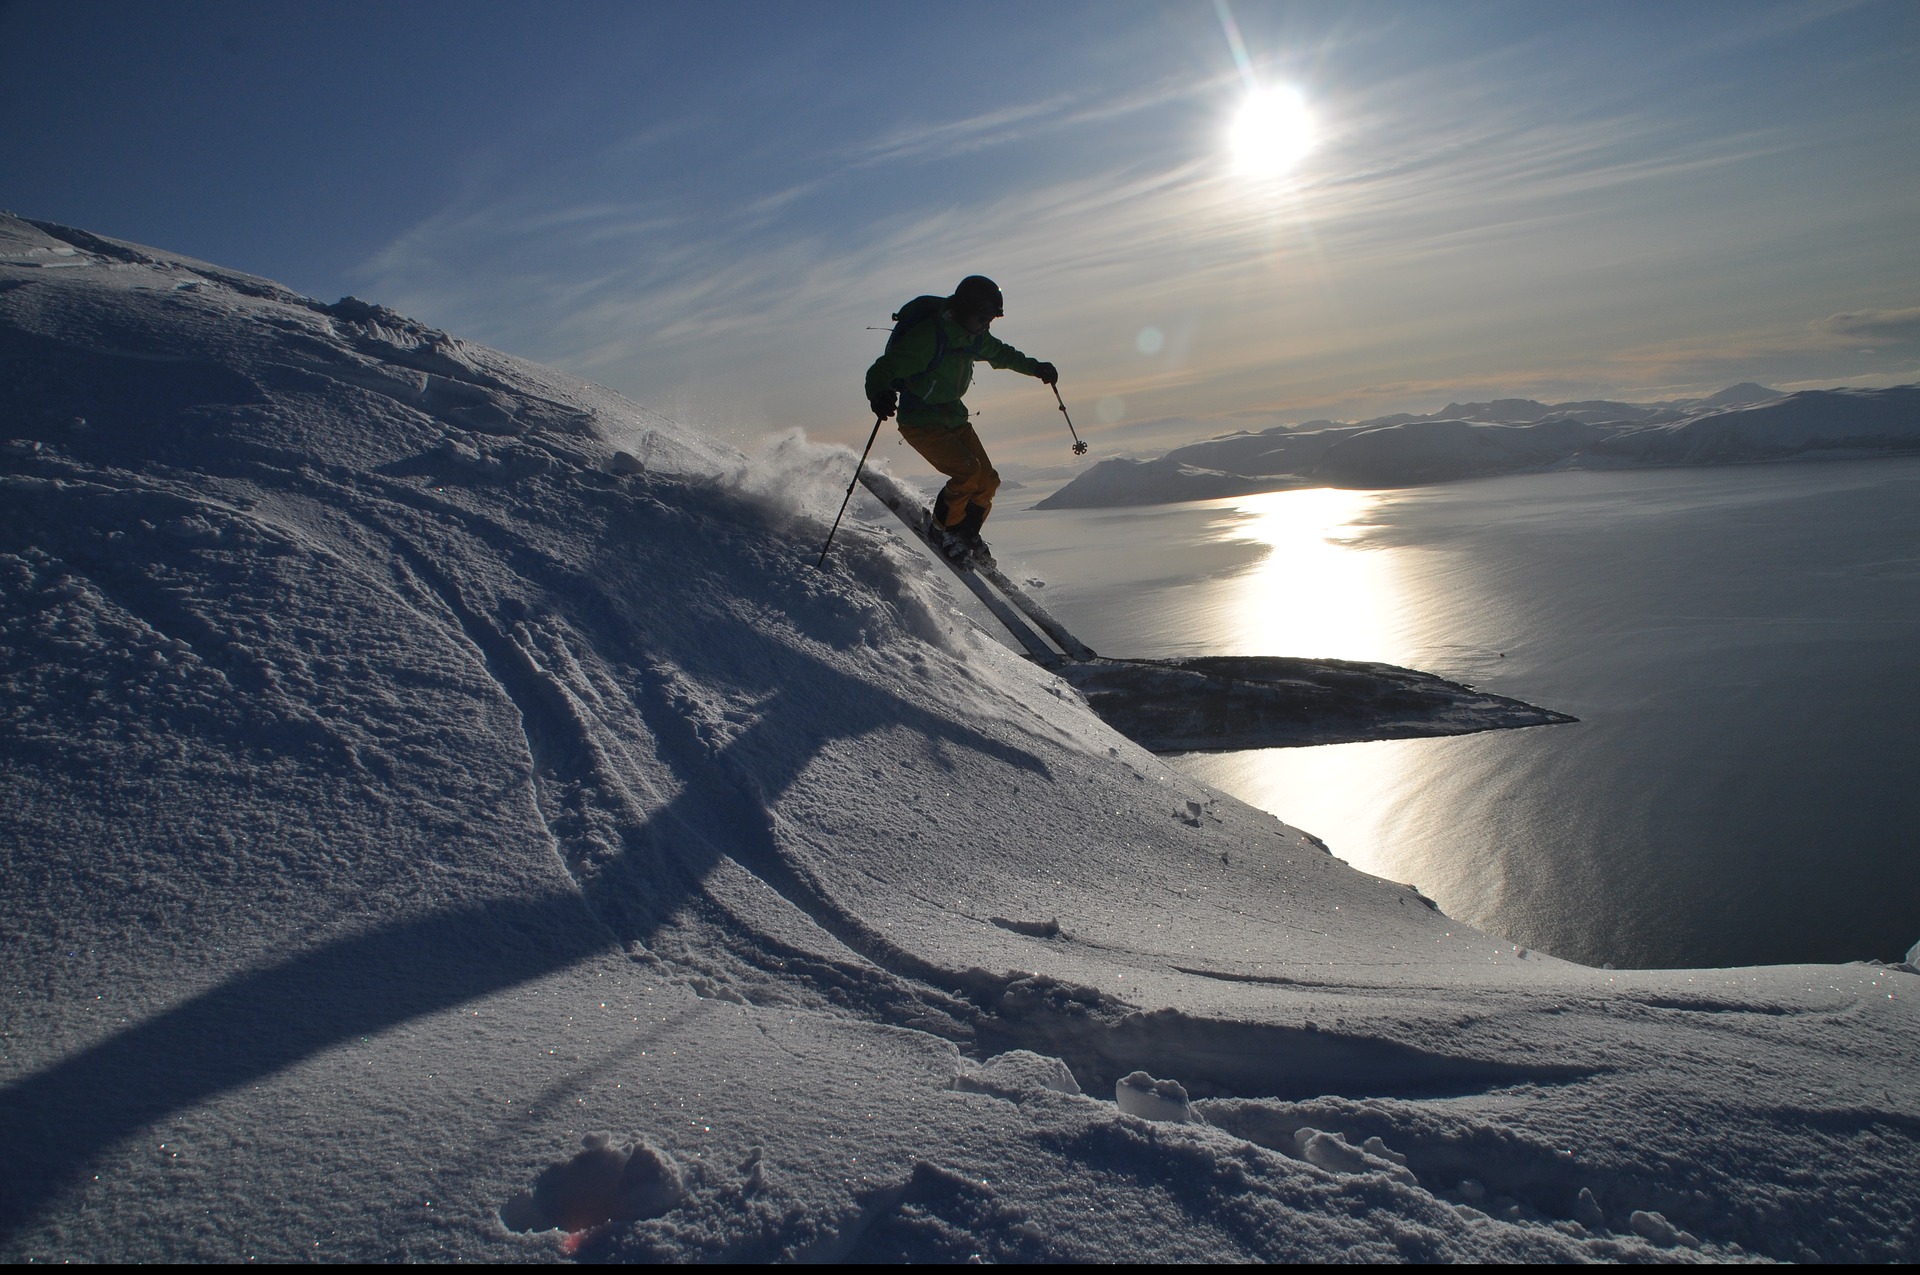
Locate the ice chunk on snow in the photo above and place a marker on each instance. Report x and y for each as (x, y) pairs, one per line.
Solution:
(1375, 1147)
(1018, 1074)
(753, 1170)
(1335, 1154)
(1330, 1152)
(1587, 1211)
(602, 1183)
(1655, 1228)
(1047, 929)
(1141, 1095)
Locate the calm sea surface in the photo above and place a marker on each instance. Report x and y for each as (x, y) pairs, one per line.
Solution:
(1739, 643)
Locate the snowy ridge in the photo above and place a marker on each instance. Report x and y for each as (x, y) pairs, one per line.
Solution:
(443, 816)
(1741, 425)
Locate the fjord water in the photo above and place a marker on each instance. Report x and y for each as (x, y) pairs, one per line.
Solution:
(1739, 643)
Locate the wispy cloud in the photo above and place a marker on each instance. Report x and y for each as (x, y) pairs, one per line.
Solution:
(1460, 231)
(1052, 114)
(948, 137)
(1900, 327)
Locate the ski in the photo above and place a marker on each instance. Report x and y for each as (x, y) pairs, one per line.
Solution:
(907, 508)
(1066, 641)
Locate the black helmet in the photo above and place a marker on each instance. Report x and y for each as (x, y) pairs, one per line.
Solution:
(980, 295)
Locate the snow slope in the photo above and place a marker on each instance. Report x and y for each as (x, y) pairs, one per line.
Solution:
(1741, 424)
(444, 817)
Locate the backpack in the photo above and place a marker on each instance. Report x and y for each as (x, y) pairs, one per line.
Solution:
(912, 315)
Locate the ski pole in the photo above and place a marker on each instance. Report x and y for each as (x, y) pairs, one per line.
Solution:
(1079, 448)
(849, 496)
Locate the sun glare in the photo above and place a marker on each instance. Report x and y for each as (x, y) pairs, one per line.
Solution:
(1314, 593)
(1272, 133)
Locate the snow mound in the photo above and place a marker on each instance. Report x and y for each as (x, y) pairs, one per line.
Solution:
(604, 1182)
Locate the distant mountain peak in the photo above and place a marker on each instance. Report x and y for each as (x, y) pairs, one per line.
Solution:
(1741, 395)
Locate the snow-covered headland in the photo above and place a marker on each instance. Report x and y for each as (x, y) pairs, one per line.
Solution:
(444, 816)
(1742, 424)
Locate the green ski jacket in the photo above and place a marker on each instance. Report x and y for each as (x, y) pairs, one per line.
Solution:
(931, 364)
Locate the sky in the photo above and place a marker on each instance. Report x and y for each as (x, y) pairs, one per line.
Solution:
(715, 209)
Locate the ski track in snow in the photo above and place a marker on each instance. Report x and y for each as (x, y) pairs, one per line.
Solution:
(445, 816)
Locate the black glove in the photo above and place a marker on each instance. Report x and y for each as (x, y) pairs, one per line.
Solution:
(1048, 374)
(883, 405)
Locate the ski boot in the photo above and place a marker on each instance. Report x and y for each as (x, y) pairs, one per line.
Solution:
(972, 551)
(967, 532)
(960, 550)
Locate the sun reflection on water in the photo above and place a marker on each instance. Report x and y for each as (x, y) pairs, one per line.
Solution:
(1319, 590)
(1316, 591)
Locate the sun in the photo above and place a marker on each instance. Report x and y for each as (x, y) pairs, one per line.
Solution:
(1273, 132)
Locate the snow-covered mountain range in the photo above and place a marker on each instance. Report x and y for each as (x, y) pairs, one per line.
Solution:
(1741, 424)
(445, 816)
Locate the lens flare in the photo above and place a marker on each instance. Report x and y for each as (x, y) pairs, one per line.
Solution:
(1273, 132)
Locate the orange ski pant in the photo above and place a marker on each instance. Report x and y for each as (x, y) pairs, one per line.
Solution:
(957, 453)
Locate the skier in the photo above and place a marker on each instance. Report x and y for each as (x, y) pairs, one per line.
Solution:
(927, 366)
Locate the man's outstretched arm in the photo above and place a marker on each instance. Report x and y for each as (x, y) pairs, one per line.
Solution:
(999, 354)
